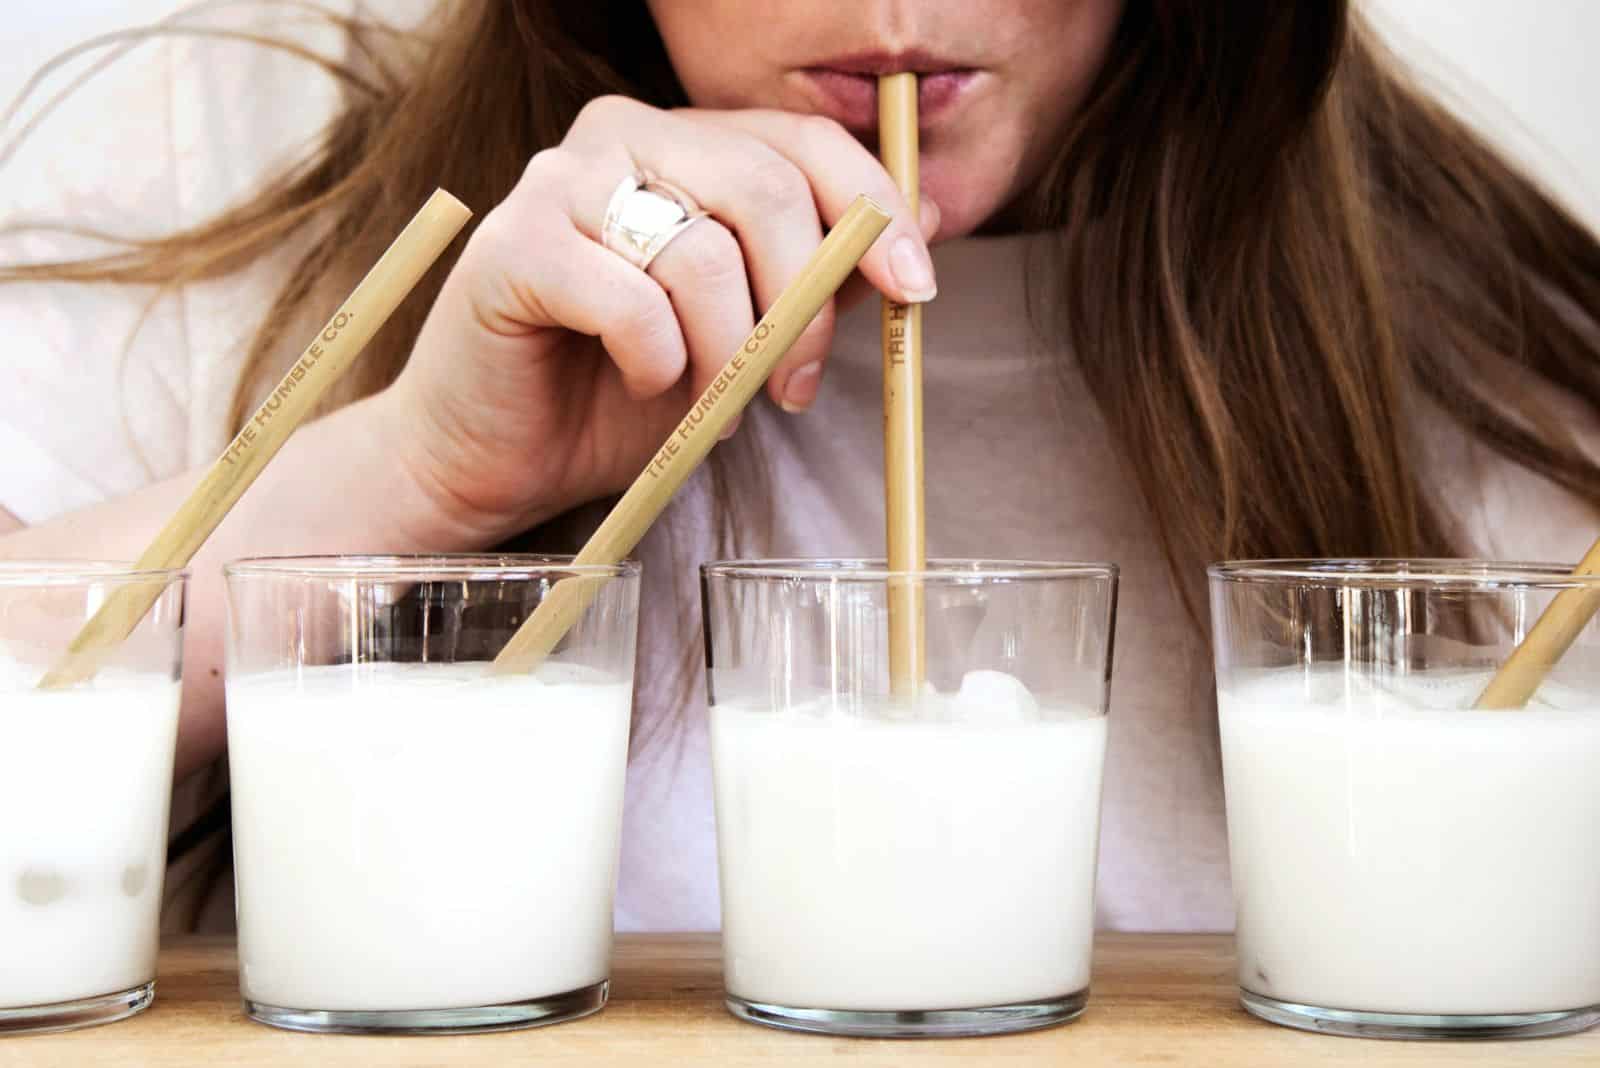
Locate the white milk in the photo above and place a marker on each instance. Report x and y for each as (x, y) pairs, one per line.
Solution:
(424, 836)
(872, 862)
(1400, 852)
(85, 783)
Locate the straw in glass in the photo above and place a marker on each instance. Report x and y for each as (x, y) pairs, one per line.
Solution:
(1548, 640)
(733, 388)
(902, 409)
(328, 356)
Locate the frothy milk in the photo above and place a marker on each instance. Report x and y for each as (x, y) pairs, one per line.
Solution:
(424, 836)
(872, 861)
(1396, 851)
(85, 783)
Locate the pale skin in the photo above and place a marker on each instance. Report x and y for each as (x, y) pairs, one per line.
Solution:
(549, 368)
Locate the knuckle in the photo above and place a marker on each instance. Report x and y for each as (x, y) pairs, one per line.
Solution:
(708, 254)
(827, 138)
(515, 225)
(495, 236)
(776, 186)
(822, 130)
(645, 318)
(604, 109)
(607, 154)
(545, 167)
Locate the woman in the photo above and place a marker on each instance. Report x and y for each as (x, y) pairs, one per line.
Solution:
(1213, 281)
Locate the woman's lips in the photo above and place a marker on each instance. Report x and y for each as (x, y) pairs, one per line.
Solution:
(849, 93)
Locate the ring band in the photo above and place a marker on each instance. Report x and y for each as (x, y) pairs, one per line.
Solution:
(643, 216)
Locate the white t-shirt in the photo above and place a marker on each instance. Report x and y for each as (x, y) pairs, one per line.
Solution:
(1019, 464)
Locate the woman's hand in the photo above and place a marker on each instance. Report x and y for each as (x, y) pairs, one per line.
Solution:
(550, 368)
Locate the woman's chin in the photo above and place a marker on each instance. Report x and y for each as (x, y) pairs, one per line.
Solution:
(965, 205)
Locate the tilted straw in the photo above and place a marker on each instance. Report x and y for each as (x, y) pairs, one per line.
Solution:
(902, 409)
(1549, 639)
(733, 388)
(419, 245)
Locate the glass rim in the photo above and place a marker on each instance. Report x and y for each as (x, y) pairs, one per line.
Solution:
(48, 572)
(941, 569)
(1424, 572)
(482, 567)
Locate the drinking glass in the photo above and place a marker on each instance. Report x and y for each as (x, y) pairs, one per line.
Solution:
(422, 844)
(1406, 864)
(907, 864)
(85, 785)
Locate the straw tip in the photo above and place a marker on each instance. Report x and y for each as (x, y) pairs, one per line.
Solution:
(446, 202)
(867, 205)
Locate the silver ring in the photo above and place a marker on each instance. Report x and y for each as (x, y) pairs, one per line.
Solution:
(644, 215)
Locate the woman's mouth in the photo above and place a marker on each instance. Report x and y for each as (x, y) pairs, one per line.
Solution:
(845, 88)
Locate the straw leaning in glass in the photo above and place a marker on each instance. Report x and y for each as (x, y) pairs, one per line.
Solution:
(328, 356)
(732, 389)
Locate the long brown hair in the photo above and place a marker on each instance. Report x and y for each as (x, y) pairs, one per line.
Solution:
(1271, 247)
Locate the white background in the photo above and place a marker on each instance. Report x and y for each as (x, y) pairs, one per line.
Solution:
(1521, 70)
(1517, 69)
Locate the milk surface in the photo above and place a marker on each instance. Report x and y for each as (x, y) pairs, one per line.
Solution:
(424, 836)
(1396, 851)
(85, 784)
(874, 861)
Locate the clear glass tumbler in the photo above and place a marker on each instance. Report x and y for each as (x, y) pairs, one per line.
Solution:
(1405, 864)
(85, 785)
(420, 844)
(898, 866)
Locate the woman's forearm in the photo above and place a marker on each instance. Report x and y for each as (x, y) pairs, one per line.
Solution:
(333, 488)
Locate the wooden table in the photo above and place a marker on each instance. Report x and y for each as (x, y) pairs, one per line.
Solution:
(1157, 999)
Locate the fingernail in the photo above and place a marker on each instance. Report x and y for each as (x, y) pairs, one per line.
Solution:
(801, 389)
(912, 270)
(733, 424)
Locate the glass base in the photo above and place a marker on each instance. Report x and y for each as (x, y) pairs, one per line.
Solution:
(535, 1012)
(71, 1015)
(933, 1023)
(1358, 1024)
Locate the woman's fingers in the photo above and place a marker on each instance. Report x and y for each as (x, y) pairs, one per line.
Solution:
(770, 181)
(756, 171)
(857, 288)
(762, 199)
(702, 269)
(540, 271)
(703, 272)
(773, 180)
(839, 168)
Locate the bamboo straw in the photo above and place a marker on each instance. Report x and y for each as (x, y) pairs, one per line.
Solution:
(1551, 636)
(327, 357)
(902, 408)
(733, 388)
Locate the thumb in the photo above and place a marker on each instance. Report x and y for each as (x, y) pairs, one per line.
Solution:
(857, 288)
